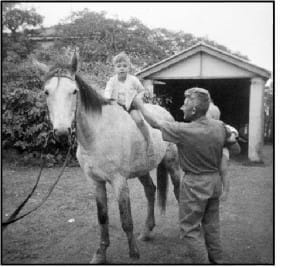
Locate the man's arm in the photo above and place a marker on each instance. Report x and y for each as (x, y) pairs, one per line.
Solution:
(170, 130)
(154, 122)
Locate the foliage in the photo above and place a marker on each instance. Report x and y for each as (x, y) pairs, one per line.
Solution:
(269, 114)
(25, 125)
(99, 38)
(17, 25)
(14, 19)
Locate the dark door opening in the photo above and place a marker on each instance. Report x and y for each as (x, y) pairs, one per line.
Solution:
(230, 95)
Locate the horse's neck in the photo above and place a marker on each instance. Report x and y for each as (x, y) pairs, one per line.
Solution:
(93, 128)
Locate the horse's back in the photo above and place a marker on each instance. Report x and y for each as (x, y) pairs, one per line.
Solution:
(159, 112)
(139, 158)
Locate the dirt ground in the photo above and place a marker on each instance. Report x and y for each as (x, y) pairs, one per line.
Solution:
(65, 229)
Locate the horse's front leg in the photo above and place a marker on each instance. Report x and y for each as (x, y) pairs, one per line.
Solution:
(101, 200)
(149, 188)
(121, 189)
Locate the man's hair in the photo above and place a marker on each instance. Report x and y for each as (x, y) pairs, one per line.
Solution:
(121, 57)
(201, 96)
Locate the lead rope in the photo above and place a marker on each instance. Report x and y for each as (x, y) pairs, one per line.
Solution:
(13, 217)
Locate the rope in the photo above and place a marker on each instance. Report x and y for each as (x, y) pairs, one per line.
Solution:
(13, 218)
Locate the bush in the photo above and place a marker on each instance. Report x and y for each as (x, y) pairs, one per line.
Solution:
(25, 127)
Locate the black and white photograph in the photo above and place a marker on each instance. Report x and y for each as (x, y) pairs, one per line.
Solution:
(137, 133)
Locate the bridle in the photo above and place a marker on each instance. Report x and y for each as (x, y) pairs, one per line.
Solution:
(14, 216)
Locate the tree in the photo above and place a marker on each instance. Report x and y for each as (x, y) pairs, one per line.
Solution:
(17, 24)
(15, 19)
(99, 38)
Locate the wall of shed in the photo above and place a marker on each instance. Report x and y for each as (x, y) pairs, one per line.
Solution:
(202, 66)
(189, 67)
(213, 67)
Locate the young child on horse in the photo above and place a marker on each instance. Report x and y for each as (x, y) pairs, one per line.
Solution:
(214, 113)
(123, 87)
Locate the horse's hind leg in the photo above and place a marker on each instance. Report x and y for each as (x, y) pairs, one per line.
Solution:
(101, 200)
(149, 188)
(121, 189)
(171, 163)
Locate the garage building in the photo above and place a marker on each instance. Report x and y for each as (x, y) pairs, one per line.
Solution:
(236, 87)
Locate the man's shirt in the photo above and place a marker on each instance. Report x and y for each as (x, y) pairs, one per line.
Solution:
(199, 143)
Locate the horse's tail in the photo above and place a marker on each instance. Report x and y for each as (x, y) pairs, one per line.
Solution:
(162, 186)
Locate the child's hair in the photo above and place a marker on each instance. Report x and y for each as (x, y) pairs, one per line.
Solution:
(121, 57)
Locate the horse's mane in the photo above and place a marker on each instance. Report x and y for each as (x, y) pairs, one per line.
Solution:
(89, 98)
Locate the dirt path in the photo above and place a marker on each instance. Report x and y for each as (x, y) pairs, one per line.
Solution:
(46, 237)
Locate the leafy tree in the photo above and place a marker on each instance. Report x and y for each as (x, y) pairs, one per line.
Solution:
(99, 38)
(17, 24)
(15, 19)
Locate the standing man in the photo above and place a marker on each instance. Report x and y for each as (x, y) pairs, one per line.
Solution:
(200, 143)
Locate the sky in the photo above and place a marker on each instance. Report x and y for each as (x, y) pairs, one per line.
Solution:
(243, 27)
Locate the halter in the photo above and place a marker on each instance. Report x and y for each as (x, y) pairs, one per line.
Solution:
(59, 72)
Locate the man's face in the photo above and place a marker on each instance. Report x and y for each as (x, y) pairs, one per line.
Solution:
(188, 108)
(121, 69)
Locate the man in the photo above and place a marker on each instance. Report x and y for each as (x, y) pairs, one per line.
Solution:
(200, 145)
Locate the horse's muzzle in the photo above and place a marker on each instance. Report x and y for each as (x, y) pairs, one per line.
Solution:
(62, 135)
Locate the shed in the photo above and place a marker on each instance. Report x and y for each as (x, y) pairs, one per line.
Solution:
(236, 86)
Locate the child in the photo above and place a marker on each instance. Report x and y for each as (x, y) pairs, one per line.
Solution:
(123, 87)
(214, 113)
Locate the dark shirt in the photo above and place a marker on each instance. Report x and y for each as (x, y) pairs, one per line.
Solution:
(199, 143)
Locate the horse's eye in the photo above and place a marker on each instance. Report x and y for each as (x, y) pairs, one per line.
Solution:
(46, 92)
(75, 91)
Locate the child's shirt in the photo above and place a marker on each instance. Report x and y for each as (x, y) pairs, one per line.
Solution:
(123, 91)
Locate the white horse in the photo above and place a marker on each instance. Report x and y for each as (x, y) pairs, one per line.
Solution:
(110, 149)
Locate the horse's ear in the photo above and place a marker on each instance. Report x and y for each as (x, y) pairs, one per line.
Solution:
(41, 66)
(74, 62)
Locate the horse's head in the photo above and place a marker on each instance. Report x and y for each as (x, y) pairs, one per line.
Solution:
(60, 90)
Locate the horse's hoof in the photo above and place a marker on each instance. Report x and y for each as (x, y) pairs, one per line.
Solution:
(98, 259)
(134, 255)
(144, 237)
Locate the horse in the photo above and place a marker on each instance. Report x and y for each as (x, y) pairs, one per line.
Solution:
(110, 149)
